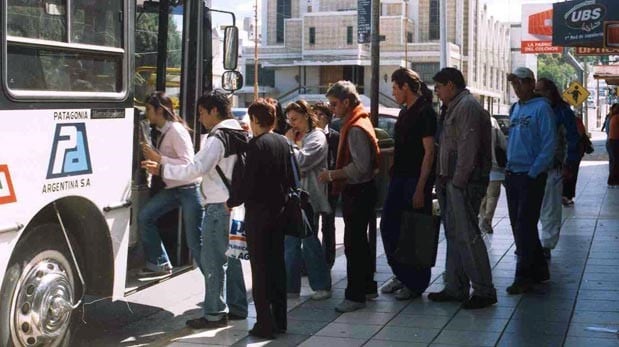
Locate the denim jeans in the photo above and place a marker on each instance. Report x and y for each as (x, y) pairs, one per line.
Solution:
(224, 285)
(552, 209)
(399, 197)
(358, 203)
(524, 201)
(310, 252)
(188, 198)
(467, 262)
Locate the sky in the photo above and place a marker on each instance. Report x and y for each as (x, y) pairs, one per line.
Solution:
(503, 10)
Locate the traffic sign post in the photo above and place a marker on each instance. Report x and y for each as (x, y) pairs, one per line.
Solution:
(575, 94)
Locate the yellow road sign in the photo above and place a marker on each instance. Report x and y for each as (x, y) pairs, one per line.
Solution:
(575, 94)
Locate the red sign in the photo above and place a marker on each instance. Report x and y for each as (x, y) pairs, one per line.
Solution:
(539, 47)
(7, 193)
(596, 51)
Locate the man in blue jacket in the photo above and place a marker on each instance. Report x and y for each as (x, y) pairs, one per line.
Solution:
(530, 151)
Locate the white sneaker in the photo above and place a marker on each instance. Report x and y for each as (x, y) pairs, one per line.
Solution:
(349, 306)
(405, 294)
(321, 295)
(390, 287)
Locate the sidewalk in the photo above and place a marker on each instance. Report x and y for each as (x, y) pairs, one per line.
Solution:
(583, 292)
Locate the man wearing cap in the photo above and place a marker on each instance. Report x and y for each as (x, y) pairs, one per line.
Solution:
(530, 151)
(463, 169)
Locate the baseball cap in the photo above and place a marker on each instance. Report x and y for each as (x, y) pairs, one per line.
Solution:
(521, 73)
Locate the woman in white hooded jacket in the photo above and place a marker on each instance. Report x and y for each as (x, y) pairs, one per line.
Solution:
(311, 154)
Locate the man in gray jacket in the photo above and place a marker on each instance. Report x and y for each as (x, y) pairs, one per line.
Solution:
(463, 166)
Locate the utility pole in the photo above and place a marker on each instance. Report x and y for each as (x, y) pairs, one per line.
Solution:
(405, 33)
(375, 51)
(442, 14)
(256, 51)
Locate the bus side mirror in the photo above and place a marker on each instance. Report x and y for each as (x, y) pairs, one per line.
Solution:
(231, 81)
(231, 47)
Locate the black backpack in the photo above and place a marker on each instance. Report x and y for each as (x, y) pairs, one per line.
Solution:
(235, 142)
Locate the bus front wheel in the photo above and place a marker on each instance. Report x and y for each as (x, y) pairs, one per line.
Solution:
(38, 291)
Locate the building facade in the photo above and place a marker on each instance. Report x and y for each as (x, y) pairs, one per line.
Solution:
(308, 44)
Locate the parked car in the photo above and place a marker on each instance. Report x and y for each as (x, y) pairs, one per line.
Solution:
(241, 115)
(504, 124)
(387, 116)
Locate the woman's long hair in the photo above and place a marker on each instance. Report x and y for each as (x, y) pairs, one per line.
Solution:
(553, 92)
(161, 100)
(403, 76)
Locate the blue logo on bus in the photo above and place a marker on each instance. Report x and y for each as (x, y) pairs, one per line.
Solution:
(70, 155)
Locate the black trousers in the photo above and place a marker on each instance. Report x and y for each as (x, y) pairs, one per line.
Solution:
(265, 241)
(569, 184)
(328, 231)
(524, 201)
(358, 203)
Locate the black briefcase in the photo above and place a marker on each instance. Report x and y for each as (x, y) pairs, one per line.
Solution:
(418, 240)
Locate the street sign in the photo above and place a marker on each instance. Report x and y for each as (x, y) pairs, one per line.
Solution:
(364, 21)
(596, 51)
(575, 94)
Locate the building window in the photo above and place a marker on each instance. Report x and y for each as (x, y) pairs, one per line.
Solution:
(349, 35)
(409, 37)
(434, 20)
(426, 71)
(283, 12)
(312, 36)
(266, 76)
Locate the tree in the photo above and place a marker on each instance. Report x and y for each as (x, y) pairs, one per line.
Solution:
(556, 68)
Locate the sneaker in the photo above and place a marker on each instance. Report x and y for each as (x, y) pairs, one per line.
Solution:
(567, 202)
(321, 295)
(371, 296)
(519, 287)
(405, 294)
(485, 227)
(293, 295)
(349, 306)
(203, 323)
(477, 302)
(391, 286)
(442, 296)
(162, 270)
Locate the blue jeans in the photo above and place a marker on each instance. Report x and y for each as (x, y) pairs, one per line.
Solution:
(186, 197)
(310, 251)
(223, 276)
(399, 197)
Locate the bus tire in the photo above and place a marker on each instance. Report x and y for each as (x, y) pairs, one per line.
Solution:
(38, 291)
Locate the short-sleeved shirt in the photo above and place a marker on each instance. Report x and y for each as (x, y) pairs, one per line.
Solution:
(412, 126)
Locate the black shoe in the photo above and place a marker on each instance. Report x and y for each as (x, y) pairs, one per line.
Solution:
(542, 275)
(256, 332)
(477, 301)
(442, 296)
(203, 323)
(519, 287)
(546, 252)
(232, 316)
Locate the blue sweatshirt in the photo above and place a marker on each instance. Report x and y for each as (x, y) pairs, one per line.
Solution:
(565, 117)
(532, 137)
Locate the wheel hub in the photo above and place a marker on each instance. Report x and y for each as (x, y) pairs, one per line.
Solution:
(42, 305)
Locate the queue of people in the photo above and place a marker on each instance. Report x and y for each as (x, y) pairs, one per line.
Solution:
(453, 152)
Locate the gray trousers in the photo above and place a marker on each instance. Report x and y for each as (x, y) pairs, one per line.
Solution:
(467, 261)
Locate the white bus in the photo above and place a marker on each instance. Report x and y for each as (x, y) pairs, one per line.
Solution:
(72, 76)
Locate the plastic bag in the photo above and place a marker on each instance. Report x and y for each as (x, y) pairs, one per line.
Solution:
(237, 241)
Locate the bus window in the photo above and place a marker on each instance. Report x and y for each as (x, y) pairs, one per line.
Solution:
(44, 53)
(97, 22)
(37, 20)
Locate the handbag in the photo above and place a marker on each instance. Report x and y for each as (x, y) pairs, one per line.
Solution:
(298, 213)
(587, 145)
(418, 241)
(237, 240)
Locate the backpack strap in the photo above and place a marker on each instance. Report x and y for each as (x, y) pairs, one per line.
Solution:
(223, 177)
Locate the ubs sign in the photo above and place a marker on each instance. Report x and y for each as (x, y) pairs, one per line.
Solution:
(581, 23)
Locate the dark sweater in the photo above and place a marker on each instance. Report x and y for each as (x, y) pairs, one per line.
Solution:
(266, 179)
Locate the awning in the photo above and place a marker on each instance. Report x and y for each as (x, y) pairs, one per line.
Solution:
(610, 73)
